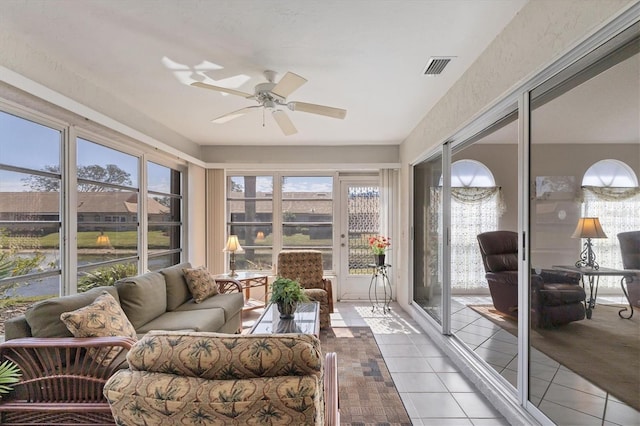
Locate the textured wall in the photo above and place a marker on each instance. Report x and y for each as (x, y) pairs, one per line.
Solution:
(21, 59)
(331, 155)
(196, 216)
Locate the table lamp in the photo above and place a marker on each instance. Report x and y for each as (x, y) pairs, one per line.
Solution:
(103, 240)
(588, 227)
(233, 246)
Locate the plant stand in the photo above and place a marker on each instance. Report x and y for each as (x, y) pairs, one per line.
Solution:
(380, 288)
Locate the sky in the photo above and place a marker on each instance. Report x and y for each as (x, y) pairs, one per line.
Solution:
(30, 145)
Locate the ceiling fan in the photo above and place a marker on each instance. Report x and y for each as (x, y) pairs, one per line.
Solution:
(273, 97)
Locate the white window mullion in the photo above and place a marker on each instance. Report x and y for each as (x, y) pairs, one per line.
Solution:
(143, 222)
(278, 234)
(69, 213)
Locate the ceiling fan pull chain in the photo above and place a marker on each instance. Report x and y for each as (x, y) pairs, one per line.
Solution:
(263, 120)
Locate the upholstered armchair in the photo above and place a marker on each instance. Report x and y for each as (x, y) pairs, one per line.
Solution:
(225, 379)
(630, 249)
(305, 266)
(556, 297)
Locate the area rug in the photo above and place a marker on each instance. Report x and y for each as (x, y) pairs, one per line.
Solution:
(604, 350)
(367, 393)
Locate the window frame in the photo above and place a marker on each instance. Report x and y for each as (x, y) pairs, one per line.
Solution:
(70, 131)
(277, 222)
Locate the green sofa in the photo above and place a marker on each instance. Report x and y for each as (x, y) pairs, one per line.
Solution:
(158, 300)
(63, 376)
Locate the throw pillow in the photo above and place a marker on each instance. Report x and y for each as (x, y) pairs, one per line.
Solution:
(102, 318)
(201, 282)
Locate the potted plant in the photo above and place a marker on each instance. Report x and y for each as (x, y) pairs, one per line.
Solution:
(378, 246)
(286, 294)
(9, 375)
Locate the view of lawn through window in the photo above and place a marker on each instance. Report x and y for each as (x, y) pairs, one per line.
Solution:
(305, 219)
(107, 212)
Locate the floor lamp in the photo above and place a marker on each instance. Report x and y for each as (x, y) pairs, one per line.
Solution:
(588, 227)
(233, 246)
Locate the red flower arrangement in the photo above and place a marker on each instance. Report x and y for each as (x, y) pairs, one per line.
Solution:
(379, 244)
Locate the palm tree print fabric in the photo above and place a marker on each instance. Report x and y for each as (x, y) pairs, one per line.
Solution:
(102, 318)
(212, 378)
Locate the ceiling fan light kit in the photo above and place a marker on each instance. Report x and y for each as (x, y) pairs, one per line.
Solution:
(271, 96)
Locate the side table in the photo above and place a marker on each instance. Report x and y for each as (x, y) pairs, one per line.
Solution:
(251, 280)
(380, 288)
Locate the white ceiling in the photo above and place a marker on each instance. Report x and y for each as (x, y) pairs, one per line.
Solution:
(366, 56)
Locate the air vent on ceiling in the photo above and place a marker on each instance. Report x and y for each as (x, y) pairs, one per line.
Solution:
(436, 64)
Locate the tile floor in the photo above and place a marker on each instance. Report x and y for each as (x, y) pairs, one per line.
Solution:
(432, 389)
(564, 397)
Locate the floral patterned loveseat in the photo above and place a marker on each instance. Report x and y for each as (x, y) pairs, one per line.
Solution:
(214, 378)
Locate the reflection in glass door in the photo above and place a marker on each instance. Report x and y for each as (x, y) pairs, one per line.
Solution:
(428, 241)
(569, 135)
(360, 220)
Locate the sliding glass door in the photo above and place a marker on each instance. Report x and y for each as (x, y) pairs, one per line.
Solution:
(584, 166)
(428, 266)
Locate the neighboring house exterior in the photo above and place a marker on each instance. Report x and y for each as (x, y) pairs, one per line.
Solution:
(94, 209)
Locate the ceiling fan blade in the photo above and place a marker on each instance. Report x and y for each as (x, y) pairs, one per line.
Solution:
(221, 89)
(318, 109)
(233, 115)
(288, 84)
(284, 122)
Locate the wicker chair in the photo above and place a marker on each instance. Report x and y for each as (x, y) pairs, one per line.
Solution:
(305, 266)
(62, 379)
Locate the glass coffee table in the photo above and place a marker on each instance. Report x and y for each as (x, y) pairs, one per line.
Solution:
(305, 320)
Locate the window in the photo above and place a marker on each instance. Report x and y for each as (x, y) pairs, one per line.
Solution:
(108, 190)
(30, 223)
(307, 214)
(106, 209)
(475, 208)
(250, 217)
(610, 173)
(305, 219)
(611, 193)
(164, 212)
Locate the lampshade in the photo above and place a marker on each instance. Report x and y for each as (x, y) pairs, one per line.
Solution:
(589, 227)
(260, 236)
(233, 245)
(103, 240)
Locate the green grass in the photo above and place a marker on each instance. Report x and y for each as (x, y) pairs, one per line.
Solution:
(87, 240)
(13, 301)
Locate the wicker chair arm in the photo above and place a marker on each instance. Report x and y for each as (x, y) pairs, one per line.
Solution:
(228, 285)
(331, 401)
(60, 370)
(329, 289)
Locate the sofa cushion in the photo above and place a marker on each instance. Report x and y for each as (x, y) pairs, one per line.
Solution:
(200, 320)
(44, 316)
(177, 289)
(202, 284)
(102, 318)
(143, 298)
(232, 303)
